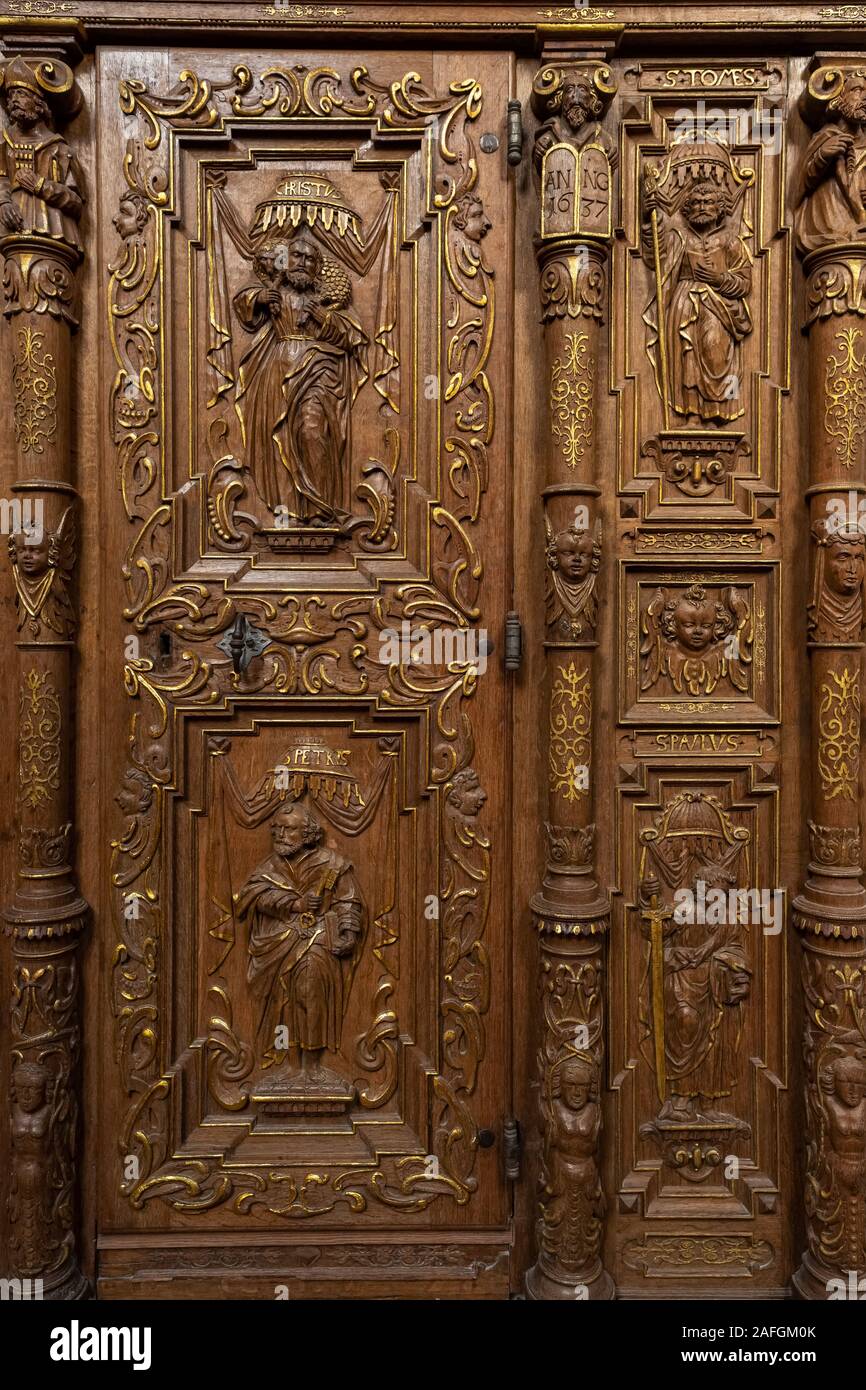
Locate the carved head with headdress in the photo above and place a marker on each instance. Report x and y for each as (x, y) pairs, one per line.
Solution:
(30, 1086)
(579, 95)
(38, 91)
(835, 611)
(573, 1080)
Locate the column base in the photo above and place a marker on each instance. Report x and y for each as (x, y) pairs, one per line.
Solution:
(815, 1282)
(593, 1286)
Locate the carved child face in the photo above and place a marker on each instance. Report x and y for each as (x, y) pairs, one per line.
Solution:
(134, 796)
(303, 262)
(574, 554)
(844, 568)
(25, 108)
(128, 219)
(29, 1093)
(574, 1087)
(850, 1084)
(471, 796)
(476, 223)
(32, 557)
(693, 624)
(704, 206)
(289, 831)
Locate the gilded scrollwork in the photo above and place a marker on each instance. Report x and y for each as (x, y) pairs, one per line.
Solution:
(34, 382)
(571, 398)
(845, 396)
(839, 734)
(570, 731)
(39, 732)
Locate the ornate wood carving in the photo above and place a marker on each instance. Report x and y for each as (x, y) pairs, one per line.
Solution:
(41, 202)
(320, 591)
(831, 909)
(574, 158)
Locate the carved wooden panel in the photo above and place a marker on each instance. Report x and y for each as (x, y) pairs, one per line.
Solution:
(308, 984)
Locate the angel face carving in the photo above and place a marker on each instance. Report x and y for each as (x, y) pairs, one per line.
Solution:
(573, 559)
(695, 641)
(471, 218)
(42, 568)
(131, 216)
(297, 382)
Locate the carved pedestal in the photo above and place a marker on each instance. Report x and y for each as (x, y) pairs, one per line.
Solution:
(40, 205)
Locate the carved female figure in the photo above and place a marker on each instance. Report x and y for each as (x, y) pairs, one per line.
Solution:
(836, 607)
(572, 1199)
(31, 1119)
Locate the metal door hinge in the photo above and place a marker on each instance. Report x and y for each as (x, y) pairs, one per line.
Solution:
(513, 642)
(514, 133)
(511, 1148)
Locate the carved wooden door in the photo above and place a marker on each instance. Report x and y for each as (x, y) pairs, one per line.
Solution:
(349, 955)
(304, 1065)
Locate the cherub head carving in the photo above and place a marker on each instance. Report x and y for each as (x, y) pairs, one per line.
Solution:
(471, 219)
(465, 794)
(574, 553)
(696, 641)
(131, 215)
(694, 621)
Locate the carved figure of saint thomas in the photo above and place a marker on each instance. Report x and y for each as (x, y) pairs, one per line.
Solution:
(306, 916)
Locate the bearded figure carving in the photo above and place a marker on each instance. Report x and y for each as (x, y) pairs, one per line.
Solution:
(696, 642)
(830, 194)
(692, 240)
(306, 917)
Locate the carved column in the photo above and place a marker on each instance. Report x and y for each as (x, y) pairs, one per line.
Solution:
(831, 911)
(41, 202)
(573, 158)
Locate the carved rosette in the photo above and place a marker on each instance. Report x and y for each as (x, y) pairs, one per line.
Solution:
(574, 159)
(41, 201)
(831, 910)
